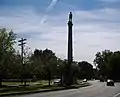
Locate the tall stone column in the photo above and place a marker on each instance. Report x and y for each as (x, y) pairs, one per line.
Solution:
(70, 51)
(69, 77)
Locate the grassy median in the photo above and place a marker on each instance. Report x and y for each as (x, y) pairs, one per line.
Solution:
(33, 87)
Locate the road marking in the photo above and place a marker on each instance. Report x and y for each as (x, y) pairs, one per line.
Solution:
(117, 95)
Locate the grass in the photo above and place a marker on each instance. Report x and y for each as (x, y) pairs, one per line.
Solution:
(27, 88)
(31, 87)
(39, 85)
(22, 89)
(44, 82)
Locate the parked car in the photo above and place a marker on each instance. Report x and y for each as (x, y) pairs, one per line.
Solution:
(85, 80)
(110, 82)
(56, 81)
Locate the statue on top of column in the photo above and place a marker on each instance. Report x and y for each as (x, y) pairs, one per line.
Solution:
(70, 16)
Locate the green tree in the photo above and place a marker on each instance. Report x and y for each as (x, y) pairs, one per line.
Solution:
(108, 64)
(86, 70)
(101, 62)
(95, 73)
(44, 63)
(50, 62)
(36, 64)
(114, 66)
(7, 40)
(75, 71)
(15, 66)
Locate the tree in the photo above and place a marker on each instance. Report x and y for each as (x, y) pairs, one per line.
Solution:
(108, 64)
(95, 73)
(7, 40)
(101, 61)
(50, 63)
(75, 71)
(15, 66)
(44, 64)
(86, 70)
(114, 66)
(36, 63)
(62, 70)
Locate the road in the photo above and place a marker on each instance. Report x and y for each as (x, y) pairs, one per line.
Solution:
(98, 89)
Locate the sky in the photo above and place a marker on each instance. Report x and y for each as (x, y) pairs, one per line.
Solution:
(96, 25)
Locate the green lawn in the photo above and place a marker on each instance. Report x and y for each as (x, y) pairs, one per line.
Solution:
(9, 86)
(33, 86)
(16, 89)
(43, 82)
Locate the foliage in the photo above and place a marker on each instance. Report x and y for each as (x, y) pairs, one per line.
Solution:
(108, 64)
(44, 64)
(7, 40)
(85, 70)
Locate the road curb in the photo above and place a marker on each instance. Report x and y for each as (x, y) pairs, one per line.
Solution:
(40, 91)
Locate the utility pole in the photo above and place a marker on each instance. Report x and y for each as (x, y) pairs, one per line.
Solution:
(22, 43)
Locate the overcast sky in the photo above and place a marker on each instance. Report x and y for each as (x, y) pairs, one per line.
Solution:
(44, 24)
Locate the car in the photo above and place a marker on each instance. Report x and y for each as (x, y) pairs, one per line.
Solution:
(110, 82)
(85, 80)
(56, 81)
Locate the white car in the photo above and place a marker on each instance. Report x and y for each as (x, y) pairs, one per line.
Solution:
(56, 81)
(85, 80)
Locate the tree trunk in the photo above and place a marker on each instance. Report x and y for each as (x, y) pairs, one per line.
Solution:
(61, 80)
(0, 82)
(49, 77)
(21, 80)
(24, 82)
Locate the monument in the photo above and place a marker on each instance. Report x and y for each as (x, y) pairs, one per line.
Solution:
(70, 51)
(68, 76)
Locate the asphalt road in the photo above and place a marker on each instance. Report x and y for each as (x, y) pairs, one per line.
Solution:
(98, 89)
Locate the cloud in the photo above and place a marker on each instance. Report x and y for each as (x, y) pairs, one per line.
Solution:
(93, 31)
(111, 1)
(52, 4)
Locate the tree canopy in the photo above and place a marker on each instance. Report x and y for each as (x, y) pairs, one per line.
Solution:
(108, 64)
(7, 40)
(86, 70)
(44, 64)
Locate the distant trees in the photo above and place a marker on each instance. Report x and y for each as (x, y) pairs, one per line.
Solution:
(36, 63)
(44, 64)
(108, 64)
(114, 65)
(85, 70)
